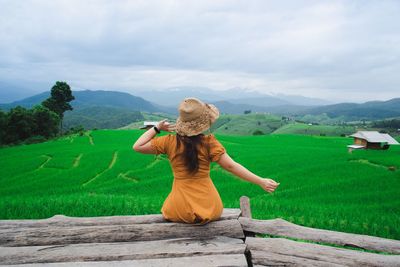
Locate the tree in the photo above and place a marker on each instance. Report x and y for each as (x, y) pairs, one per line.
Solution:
(247, 111)
(46, 121)
(258, 132)
(3, 126)
(20, 125)
(58, 102)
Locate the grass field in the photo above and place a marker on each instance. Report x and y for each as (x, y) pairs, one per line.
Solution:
(306, 129)
(246, 124)
(322, 185)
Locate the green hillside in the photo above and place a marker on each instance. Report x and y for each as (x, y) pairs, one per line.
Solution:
(100, 117)
(149, 117)
(98, 174)
(246, 124)
(306, 129)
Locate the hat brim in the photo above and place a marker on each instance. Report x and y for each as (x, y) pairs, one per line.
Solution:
(199, 125)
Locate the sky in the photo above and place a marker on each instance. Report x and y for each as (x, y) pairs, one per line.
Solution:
(345, 51)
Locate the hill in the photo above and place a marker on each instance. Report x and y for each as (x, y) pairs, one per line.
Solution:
(100, 117)
(87, 98)
(352, 111)
(246, 124)
(310, 129)
(98, 174)
(98, 109)
(172, 96)
(148, 117)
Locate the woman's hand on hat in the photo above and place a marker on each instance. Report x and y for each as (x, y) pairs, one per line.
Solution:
(164, 125)
(268, 185)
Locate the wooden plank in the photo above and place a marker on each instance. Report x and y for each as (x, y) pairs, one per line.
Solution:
(235, 260)
(170, 248)
(245, 206)
(61, 220)
(280, 227)
(280, 251)
(58, 235)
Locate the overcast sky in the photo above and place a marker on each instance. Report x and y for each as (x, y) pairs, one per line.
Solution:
(339, 50)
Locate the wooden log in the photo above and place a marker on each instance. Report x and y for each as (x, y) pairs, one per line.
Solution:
(280, 227)
(61, 220)
(280, 251)
(234, 260)
(170, 248)
(59, 235)
(245, 206)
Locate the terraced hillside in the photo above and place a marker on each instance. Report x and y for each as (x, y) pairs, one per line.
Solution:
(99, 174)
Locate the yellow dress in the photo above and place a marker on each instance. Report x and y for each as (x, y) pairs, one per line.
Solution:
(193, 198)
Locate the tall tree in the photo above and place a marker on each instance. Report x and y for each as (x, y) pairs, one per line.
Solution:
(20, 125)
(3, 126)
(58, 102)
(46, 121)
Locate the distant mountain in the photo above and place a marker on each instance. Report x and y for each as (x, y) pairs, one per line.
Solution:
(299, 100)
(173, 96)
(352, 111)
(90, 98)
(100, 117)
(261, 101)
(9, 92)
(231, 108)
(228, 107)
(99, 109)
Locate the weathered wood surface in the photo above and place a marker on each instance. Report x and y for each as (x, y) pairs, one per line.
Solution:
(245, 206)
(59, 235)
(234, 260)
(61, 220)
(170, 248)
(280, 251)
(280, 227)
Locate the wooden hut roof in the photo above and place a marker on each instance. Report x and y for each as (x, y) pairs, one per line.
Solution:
(375, 137)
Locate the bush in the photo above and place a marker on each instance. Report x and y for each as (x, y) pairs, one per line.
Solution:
(258, 132)
(35, 139)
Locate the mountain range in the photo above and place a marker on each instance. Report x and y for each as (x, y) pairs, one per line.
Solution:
(102, 109)
(172, 96)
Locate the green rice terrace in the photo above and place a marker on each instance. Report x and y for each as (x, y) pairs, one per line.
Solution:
(98, 173)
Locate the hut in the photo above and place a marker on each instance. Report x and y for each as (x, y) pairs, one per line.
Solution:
(371, 140)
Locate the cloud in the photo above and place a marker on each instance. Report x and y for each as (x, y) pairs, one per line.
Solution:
(337, 49)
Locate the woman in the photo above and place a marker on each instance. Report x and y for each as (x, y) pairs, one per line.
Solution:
(194, 198)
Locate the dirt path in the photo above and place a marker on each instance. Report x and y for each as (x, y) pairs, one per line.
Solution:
(77, 160)
(48, 158)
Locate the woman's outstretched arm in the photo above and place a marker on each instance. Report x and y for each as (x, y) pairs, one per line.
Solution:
(142, 145)
(237, 169)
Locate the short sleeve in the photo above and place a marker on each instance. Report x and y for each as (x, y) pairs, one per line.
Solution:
(160, 144)
(216, 149)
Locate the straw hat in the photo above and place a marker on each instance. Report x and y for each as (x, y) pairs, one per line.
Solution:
(195, 116)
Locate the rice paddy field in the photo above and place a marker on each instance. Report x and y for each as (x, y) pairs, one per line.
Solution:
(322, 185)
(306, 129)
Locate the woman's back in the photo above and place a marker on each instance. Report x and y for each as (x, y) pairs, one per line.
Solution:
(210, 151)
(193, 197)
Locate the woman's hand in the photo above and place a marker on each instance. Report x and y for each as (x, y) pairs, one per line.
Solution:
(164, 125)
(268, 185)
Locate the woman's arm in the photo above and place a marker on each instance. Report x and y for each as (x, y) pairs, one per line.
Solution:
(237, 169)
(142, 145)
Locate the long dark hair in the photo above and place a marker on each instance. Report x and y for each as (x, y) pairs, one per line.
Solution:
(191, 149)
